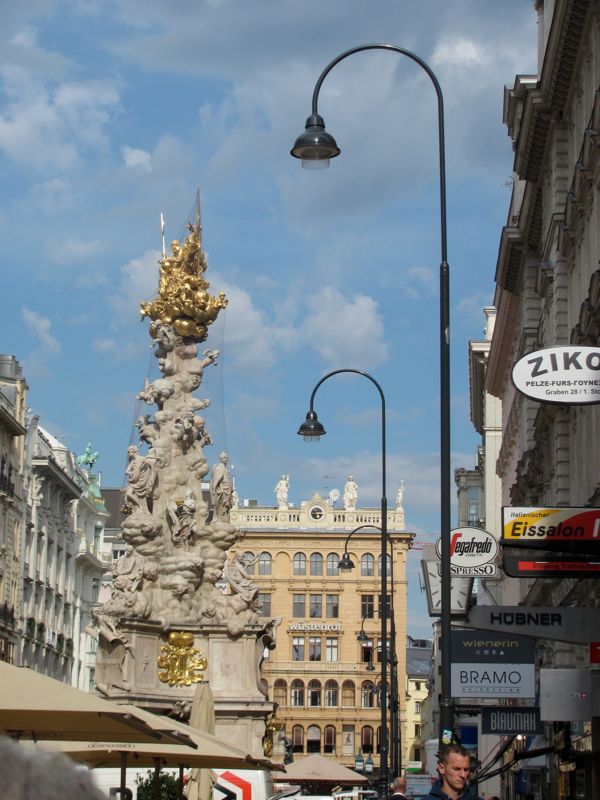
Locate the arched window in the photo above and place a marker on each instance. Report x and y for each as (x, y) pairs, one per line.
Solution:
(333, 565)
(299, 564)
(264, 564)
(316, 564)
(280, 692)
(366, 739)
(313, 739)
(249, 562)
(314, 693)
(348, 694)
(298, 738)
(388, 570)
(329, 739)
(331, 693)
(367, 565)
(297, 693)
(367, 694)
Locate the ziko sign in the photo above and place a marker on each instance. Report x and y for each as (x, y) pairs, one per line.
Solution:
(472, 552)
(564, 374)
(566, 529)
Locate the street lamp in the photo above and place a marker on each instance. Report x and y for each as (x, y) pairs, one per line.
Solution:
(346, 564)
(311, 428)
(315, 146)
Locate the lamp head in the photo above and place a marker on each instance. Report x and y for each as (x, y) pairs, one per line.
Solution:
(346, 563)
(362, 636)
(370, 667)
(311, 429)
(315, 146)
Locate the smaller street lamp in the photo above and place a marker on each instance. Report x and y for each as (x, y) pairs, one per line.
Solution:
(359, 762)
(369, 765)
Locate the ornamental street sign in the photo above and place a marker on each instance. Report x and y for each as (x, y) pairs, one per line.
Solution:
(472, 552)
(491, 665)
(550, 566)
(504, 720)
(567, 374)
(568, 529)
(540, 622)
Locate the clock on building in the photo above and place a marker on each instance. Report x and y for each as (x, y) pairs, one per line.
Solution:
(460, 591)
(316, 513)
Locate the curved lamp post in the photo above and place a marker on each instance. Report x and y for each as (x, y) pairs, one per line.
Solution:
(312, 429)
(346, 565)
(315, 146)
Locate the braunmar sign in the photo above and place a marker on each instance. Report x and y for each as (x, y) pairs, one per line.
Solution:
(491, 665)
(472, 552)
(564, 374)
(565, 529)
(560, 624)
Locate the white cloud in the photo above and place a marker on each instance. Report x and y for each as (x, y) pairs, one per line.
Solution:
(345, 330)
(74, 251)
(137, 283)
(47, 345)
(459, 51)
(134, 158)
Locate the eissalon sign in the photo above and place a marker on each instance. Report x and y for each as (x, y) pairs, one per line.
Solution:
(564, 374)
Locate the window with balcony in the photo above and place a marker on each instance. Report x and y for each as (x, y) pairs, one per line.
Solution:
(298, 653)
(280, 692)
(348, 694)
(314, 693)
(331, 648)
(331, 694)
(297, 693)
(314, 648)
(367, 694)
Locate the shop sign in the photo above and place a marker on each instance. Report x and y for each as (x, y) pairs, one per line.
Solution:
(550, 566)
(594, 652)
(540, 622)
(567, 529)
(315, 626)
(507, 720)
(489, 665)
(566, 374)
(472, 552)
(565, 695)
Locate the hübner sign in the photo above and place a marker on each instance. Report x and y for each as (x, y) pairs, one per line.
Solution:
(564, 374)
(472, 552)
(541, 622)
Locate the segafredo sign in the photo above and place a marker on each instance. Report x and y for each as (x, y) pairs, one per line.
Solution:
(472, 552)
(565, 374)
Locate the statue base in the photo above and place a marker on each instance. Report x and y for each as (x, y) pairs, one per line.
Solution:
(159, 670)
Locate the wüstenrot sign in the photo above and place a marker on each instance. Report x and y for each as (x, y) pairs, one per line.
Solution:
(565, 529)
(472, 552)
(564, 374)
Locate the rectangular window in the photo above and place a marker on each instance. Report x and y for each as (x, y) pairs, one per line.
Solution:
(316, 605)
(314, 648)
(417, 706)
(388, 603)
(331, 648)
(299, 605)
(379, 649)
(417, 686)
(367, 606)
(367, 651)
(265, 599)
(417, 730)
(298, 648)
(332, 606)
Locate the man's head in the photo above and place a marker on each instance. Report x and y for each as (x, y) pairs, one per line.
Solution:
(454, 766)
(399, 784)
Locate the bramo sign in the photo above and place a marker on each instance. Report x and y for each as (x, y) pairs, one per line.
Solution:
(472, 552)
(564, 374)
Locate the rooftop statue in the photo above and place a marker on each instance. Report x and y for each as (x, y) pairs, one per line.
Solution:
(350, 494)
(88, 458)
(281, 491)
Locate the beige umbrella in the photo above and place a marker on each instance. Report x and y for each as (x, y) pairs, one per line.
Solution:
(317, 769)
(202, 717)
(33, 706)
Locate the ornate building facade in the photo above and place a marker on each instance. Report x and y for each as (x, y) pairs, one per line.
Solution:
(321, 677)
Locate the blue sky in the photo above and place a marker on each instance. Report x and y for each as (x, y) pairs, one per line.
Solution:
(112, 112)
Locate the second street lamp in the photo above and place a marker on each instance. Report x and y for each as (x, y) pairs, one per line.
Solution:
(311, 428)
(315, 145)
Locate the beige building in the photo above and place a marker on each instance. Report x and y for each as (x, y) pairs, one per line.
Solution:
(418, 668)
(323, 679)
(13, 401)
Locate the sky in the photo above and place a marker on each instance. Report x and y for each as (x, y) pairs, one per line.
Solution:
(115, 111)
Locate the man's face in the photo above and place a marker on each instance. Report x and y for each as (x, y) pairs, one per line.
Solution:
(454, 773)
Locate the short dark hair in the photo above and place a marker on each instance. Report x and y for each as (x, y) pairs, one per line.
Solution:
(446, 751)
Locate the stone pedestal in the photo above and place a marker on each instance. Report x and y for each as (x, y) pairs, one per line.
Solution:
(130, 672)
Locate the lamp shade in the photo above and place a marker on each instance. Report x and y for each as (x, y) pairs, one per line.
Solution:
(315, 146)
(346, 563)
(311, 429)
